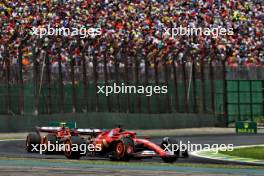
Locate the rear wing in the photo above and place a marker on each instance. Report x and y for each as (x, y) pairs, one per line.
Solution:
(88, 131)
(69, 125)
(47, 129)
(55, 126)
(80, 131)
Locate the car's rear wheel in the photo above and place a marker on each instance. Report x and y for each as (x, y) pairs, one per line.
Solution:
(72, 147)
(129, 147)
(32, 142)
(167, 143)
(122, 149)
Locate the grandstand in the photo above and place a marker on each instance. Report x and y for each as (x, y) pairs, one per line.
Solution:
(60, 74)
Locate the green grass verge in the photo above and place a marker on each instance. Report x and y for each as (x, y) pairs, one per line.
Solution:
(249, 152)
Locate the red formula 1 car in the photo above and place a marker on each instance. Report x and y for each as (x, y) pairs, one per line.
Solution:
(47, 136)
(120, 145)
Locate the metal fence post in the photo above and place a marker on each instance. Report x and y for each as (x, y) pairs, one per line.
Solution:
(238, 99)
(147, 81)
(212, 85)
(7, 79)
(194, 85)
(85, 85)
(36, 81)
(95, 75)
(175, 78)
(73, 84)
(127, 78)
(137, 81)
(184, 79)
(106, 81)
(203, 86)
(263, 97)
(225, 103)
(48, 77)
(166, 78)
(157, 82)
(21, 82)
(117, 77)
(61, 88)
(251, 101)
(8, 97)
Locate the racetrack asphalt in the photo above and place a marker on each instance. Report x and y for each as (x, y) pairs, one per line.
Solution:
(15, 161)
(16, 148)
(46, 168)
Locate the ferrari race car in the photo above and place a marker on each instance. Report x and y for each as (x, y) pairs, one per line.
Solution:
(121, 145)
(60, 133)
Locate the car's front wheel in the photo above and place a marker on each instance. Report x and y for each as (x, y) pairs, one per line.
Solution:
(169, 143)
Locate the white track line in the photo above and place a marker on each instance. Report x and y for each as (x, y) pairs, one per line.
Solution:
(196, 153)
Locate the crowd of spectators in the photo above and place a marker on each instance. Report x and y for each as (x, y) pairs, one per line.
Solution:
(132, 29)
